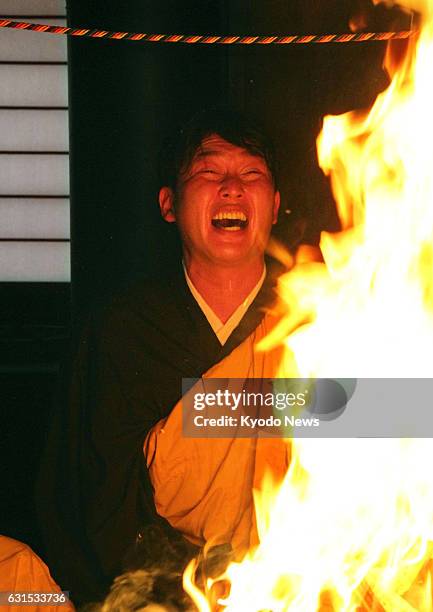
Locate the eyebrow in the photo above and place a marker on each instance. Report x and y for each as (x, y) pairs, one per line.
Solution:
(201, 153)
(206, 153)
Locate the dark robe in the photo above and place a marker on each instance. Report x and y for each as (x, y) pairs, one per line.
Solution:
(93, 492)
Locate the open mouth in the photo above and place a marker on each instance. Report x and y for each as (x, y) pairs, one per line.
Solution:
(230, 221)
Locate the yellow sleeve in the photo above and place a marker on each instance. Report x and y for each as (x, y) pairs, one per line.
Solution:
(22, 571)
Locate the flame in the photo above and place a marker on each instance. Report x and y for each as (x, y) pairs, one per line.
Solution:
(351, 527)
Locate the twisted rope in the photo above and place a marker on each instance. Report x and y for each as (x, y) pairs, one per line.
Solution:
(295, 39)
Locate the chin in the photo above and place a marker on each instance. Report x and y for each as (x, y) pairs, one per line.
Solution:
(235, 257)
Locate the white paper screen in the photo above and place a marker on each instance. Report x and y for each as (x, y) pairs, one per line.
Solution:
(34, 146)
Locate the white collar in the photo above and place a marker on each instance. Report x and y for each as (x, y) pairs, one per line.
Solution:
(224, 330)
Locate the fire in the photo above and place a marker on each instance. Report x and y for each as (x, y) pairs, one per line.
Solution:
(351, 527)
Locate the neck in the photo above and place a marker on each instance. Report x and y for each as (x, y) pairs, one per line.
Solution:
(224, 288)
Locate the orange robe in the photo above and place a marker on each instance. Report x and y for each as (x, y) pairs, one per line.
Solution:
(203, 487)
(22, 571)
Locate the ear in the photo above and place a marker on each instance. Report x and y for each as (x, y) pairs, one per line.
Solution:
(166, 204)
(277, 201)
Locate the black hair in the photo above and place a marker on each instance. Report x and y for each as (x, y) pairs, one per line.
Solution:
(178, 151)
(154, 570)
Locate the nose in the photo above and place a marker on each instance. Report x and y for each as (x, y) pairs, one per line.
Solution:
(232, 187)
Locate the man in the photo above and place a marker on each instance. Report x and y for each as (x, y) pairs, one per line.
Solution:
(94, 493)
(224, 204)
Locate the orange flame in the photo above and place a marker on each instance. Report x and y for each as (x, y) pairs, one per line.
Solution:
(351, 527)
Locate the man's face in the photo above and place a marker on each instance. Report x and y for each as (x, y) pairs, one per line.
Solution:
(225, 204)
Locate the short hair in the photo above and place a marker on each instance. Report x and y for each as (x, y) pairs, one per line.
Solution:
(155, 568)
(178, 151)
(142, 588)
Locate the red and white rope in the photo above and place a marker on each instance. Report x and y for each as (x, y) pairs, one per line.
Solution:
(296, 39)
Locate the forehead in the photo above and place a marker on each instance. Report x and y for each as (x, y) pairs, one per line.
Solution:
(215, 145)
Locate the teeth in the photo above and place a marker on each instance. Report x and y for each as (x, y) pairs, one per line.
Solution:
(229, 215)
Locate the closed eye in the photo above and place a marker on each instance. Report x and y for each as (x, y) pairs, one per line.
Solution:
(252, 173)
(210, 173)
